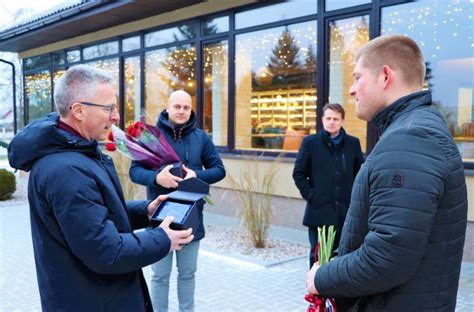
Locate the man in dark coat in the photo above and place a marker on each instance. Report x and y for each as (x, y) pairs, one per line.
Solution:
(324, 172)
(402, 242)
(200, 159)
(87, 256)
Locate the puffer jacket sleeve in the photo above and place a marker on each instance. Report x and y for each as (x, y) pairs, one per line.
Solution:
(138, 212)
(302, 170)
(143, 175)
(211, 161)
(79, 209)
(401, 185)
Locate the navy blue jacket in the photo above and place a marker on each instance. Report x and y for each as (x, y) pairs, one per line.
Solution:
(324, 174)
(87, 256)
(196, 151)
(402, 242)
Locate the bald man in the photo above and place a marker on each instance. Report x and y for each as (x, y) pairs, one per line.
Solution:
(200, 159)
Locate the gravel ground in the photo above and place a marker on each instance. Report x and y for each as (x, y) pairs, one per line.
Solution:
(235, 242)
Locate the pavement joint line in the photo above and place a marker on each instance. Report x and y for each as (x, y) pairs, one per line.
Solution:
(230, 260)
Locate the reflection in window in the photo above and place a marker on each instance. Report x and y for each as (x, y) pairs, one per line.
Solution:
(180, 33)
(57, 74)
(167, 70)
(215, 25)
(132, 89)
(275, 13)
(99, 50)
(443, 29)
(38, 94)
(131, 43)
(346, 37)
(37, 62)
(339, 4)
(215, 91)
(276, 87)
(73, 56)
(59, 58)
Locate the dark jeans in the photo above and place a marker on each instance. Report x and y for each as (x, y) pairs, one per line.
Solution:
(313, 241)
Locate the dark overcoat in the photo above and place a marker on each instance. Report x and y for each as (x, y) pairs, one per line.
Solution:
(87, 256)
(324, 174)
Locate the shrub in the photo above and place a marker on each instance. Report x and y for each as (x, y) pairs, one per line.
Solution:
(254, 190)
(7, 184)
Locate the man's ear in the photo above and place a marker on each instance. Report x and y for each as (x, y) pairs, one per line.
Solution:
(387, 74)
(77, 111)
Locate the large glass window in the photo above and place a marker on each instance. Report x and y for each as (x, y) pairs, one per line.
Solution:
(38, 94)
(275, 76)
(132, 89)
(346, 37)
(167, 70)
(276, 12)
(444, 31)
(215, 86)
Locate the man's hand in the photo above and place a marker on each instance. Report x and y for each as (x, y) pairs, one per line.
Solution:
(166, 179)
(310, 279)
(178, 238)
(155, 203)
(189, 173)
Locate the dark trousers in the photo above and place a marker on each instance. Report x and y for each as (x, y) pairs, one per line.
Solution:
(313, 241)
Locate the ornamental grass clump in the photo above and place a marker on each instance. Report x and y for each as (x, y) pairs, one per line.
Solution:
(254, 189)
(7, 184)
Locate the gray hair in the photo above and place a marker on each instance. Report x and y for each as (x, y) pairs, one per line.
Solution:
(78, 83)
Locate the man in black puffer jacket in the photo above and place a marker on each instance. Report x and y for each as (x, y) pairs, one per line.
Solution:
(402, 241)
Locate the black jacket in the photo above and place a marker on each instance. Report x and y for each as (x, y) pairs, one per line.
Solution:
(402, 242)
(87, 256)
(196, 151)
(324, 175)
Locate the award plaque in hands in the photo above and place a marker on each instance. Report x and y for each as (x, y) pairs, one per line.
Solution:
(181, 204)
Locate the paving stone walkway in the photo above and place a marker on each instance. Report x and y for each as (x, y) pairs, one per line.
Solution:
(223, 283)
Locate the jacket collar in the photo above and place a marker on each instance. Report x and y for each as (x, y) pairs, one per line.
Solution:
(404, 104)
(327, 139)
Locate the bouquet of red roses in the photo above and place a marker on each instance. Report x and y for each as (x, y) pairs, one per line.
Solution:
(145, 144)
(322, 254)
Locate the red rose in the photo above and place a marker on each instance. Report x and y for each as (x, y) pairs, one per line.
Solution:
(110, 146)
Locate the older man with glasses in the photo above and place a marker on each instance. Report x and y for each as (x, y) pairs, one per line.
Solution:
(87, 256)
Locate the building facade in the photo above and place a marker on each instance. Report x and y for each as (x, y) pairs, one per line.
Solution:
(259, 72)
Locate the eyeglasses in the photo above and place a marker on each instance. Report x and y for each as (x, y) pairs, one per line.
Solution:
(108, 108)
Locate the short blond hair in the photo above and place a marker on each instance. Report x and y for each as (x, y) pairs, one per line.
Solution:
(398, 52)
